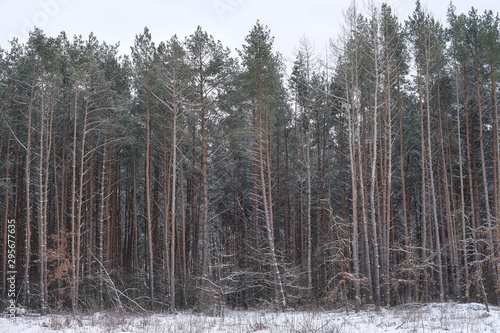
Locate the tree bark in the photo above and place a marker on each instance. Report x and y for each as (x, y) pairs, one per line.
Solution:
(148, 200)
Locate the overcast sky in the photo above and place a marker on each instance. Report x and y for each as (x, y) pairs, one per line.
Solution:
(227, 20)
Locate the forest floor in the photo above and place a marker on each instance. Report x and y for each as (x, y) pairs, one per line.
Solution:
(446, 317)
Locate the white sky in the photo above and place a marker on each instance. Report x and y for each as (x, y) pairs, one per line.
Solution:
(227, 20)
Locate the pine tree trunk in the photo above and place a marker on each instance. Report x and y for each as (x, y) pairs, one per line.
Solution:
(431, 177)
(423, 213)
(27, 192)
(80, 199)
(148, 201)
(496, 172)
(90, 199)
(45, 214)
(294, 205)
(166, 204)
(308, 193)
(102, 220)
(363, 195)
(268, 221)
(5, 218)
(204, 184)
(135, 230)
(74, 219)
(286, 202)
(489, 232)
(376, 263)
(173, 203)
(472, 186)
(388, 191)
(183, 234)
(354, 185)
(408, 253)
(455, 274)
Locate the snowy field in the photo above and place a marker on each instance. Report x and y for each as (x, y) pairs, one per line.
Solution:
(410, 318)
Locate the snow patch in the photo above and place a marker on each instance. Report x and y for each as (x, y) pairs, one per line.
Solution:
(443, 317)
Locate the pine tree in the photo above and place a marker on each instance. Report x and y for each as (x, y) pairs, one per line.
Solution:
(142, 55)
(262, 77)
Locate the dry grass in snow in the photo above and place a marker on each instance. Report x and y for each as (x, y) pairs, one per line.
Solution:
(447, 317)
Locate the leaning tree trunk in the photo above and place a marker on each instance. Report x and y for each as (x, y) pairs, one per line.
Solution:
(268, 222)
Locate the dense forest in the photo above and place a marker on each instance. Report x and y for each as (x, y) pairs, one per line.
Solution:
(184, 177)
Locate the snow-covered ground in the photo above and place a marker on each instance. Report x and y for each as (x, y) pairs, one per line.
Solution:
(446, 317)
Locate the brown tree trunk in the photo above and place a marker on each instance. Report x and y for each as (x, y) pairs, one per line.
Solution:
(489, 231)
(166, 203)
(455, 274)
(90, 199)
(431, 177)
(74, 277)
(408, 253)
(267, 217)
(148, 200)
(79, 199)
(26, 282)
(423, 212)
(286, 201)
(204, 184)
(376, 261)
(352, 154)
(102, 220)
(183, 232)
(135, 230)
(363, 194)
(5, 218)
(173, 204)
(496, 171)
